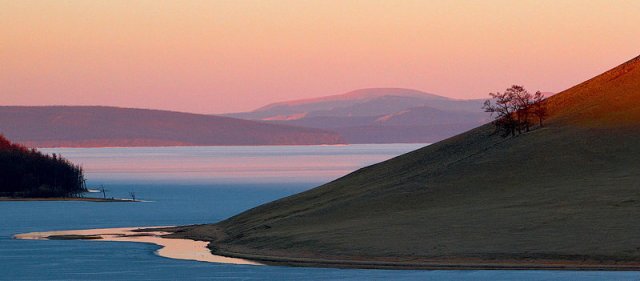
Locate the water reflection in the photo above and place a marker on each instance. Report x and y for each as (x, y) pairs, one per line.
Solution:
(229, 163)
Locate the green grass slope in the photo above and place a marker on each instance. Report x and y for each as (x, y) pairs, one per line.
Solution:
(565, 193)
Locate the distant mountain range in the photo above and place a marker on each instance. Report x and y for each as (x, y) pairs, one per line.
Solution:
(99, 126)
(378, 115)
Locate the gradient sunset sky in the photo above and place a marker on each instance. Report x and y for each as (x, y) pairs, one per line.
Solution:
(228, 56)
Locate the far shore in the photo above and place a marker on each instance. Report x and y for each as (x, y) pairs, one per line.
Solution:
(83, 199)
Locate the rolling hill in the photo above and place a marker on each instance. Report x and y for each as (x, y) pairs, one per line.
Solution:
(559, 197)
(378, 115)
(99, 126)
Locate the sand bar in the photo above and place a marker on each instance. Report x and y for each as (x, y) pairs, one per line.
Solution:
(183, 249)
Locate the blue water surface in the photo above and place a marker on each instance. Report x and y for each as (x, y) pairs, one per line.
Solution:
(178, 203)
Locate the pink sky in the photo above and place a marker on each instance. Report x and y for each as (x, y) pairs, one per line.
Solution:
(227, 56)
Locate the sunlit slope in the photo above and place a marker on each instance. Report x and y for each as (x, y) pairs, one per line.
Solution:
(610, 100)
(569, 191)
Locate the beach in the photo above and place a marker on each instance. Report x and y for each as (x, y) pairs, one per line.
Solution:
(184, 249)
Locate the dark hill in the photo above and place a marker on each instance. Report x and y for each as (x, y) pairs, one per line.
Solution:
(94, 126)
(28, 173)
(563, 196)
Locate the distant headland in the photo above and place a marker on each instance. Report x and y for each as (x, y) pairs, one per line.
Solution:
(29, 173)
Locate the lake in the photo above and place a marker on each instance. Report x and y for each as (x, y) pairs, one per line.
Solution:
(190, 185)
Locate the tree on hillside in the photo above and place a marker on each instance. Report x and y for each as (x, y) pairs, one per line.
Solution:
(504, 108)
(523, 101)
(539, 109)
(514, 108)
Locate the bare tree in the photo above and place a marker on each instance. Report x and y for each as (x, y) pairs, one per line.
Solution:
(522, 103)
(503, 109)
(104, 191)
(538, 108)
(513, 109)
(83, 185)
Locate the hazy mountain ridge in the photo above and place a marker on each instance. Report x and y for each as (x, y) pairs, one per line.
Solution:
(95, 126)
(349, 98)
(378, 115)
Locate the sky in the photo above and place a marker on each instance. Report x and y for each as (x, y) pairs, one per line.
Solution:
(231, 56)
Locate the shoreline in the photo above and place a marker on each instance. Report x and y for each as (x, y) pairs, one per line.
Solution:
(81, 199)
(174, 248)
(452, 264)
(214, 233)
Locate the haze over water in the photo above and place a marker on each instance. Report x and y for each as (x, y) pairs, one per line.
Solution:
(192, 185)
(228, 164)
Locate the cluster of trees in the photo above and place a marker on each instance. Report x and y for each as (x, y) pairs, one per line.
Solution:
(27, 172)
(516, 110)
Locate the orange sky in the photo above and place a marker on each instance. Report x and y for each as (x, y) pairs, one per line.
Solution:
(226, 56)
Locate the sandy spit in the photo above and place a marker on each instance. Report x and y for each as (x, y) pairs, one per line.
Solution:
(183, 249)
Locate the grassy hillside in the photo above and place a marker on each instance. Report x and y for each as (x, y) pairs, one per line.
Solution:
(568, 193)
(95, 126)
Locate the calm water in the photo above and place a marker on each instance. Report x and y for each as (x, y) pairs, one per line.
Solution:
(196, 185)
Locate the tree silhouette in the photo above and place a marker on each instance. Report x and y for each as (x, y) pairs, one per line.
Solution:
(27, 172)
(513, 109)
(539, 109)
(503, 107)
(104, 191)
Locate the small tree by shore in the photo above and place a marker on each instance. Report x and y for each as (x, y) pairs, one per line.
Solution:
(514, 108)
(103, 191)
